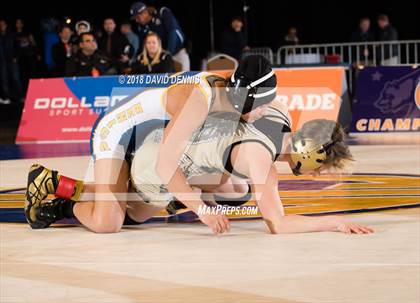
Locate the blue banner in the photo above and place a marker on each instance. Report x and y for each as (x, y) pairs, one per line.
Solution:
(387, 100)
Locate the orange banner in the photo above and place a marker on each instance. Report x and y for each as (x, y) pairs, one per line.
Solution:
(310, 93)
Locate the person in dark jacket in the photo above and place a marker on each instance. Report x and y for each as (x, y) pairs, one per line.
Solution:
(234, 41)
(29, 56)
(291, 38)
(164, 23)
(387, 33)
(133, 39)
(10, 85)
(115, 45)
(88, 61)
(62, 51)
(363, 34)
(153, 59)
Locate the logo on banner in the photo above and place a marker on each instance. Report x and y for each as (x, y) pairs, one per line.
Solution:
(396, 95)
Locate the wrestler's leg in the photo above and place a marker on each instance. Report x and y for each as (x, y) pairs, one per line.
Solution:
(106, 213)
(139, 211)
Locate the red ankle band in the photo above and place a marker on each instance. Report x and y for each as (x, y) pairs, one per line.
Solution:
(65, 188)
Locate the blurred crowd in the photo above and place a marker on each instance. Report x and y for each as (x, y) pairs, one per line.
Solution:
(150, 41)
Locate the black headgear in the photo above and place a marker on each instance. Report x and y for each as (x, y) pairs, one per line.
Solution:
(252, 84)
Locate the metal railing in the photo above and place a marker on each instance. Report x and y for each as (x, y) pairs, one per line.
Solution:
(352, 55)
(263, 51)
(360, 53)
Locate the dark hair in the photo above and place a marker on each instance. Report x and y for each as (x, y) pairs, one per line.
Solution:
(236, 18)
(364, 19)
(329, 133)
(383, 17)
(81, 36)
(62, 27)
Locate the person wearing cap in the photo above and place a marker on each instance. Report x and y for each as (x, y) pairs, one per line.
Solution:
(182, 104)
(164, 23)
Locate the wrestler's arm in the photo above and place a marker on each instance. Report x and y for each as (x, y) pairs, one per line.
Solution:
(188, 109)
(254, 160)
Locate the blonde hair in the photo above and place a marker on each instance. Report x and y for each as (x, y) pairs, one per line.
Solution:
(323, 132)
(145, 59)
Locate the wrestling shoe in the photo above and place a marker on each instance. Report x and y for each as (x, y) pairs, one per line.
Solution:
(43, 182)
(50, 212)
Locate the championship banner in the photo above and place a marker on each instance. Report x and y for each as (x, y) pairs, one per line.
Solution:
(387, 100)
(70, 106)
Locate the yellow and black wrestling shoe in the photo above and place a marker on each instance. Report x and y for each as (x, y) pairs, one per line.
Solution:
(50, 212)
(43, 182)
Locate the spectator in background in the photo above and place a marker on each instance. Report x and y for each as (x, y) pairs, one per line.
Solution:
(387, 33)
(363, 34)
(234, 41)
(28, 54)
(10, 86)
(166, 26)
(81, 26)
(88, 61)
(62, 51)
(153, 59)
(49, 38)
(291, 37)
(115, 45)
(132, 38)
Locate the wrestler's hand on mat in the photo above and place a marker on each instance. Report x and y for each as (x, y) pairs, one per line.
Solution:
(347, 227)
(218, 223)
